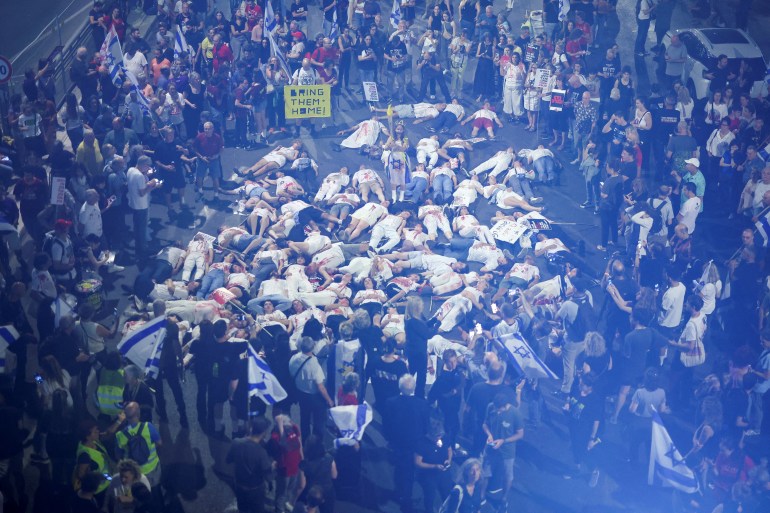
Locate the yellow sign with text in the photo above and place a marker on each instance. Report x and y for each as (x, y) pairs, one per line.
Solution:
(307, 101)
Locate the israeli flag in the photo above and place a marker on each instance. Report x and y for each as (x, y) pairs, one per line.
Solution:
(269, 18)
(351, 422)
(278, 54)
(564, 7)
(763, 226)
(335, 30)
(143, 345)
(144, 102)
(524, 358)
(667, 467)
(395, 14)
(262, 381)
(112, 54)
(8, 335)
(180, 43)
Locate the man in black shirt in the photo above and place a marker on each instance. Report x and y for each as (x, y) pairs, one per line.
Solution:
(719, 75)
(431, 70)
(298, 12)
(664, 125)
(405, 422)
(252, 467)
(398, 63)
(83, 76)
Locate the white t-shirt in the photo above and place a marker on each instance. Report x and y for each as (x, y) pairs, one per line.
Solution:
(524, 271)
(91, 218)
(689, 213)
(136, 182)
(136, 64)
(43, 283)
(671, 306)
(457, 110)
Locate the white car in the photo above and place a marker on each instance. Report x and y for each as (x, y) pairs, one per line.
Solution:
(706, 44)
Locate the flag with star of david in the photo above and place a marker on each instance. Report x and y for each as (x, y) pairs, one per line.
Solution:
(112, 54)
(524, 358)
(667, 467)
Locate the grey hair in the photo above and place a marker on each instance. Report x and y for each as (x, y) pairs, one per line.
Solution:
(144, 160)
(306, 345)
(346, 330)
(132, 371)
(464, 476)
(406, 384)
(595, 344)
(414, 308)
(361, 319)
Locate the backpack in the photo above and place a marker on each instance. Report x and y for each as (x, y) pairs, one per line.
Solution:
(657, 217)
(137, 447)
(445, 506)
(585, 320)
(48, 242)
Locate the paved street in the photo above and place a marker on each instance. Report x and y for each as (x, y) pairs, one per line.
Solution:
(193, 464)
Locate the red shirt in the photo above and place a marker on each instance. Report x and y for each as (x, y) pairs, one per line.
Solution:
(288, 455)
(344, 399)
(253, 12)
(222, 54)
(209, 146)
(322, 55)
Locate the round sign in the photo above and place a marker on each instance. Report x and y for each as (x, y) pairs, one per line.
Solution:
(6, 70)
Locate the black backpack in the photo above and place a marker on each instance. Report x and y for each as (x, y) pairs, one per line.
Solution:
(585, 320)
(657, 217)
(137, 447)
(48, 243)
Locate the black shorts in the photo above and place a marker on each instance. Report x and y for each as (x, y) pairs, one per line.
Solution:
(250, 500)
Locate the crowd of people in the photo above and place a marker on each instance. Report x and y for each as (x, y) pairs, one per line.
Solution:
(395, 282)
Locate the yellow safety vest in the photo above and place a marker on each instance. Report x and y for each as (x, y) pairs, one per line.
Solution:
(98, 456)
(109, 394)
(122, 439)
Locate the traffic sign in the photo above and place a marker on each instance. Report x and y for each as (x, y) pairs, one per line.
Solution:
(6, 70)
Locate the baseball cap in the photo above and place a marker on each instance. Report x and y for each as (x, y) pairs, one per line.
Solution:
(695, 162)
(62, 223)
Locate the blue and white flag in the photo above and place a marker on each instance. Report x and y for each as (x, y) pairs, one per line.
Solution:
(395, 14)
(180, 43)
(8, 335)
(278, 54)
(763, 226)
(144, 102)
(564, 7)
(524, 358)
(262, 381)
(351, 422)
(112, 54)
(334, 32)
(269, 18)
(143, 345)
(667, 467)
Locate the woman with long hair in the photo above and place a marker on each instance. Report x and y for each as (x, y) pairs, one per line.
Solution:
(72, 117)
(194, 103)
(484, 79)
(715, 109)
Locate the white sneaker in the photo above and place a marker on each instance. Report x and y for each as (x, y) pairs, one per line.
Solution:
(752, 432)
(594, 479)
(115, 269)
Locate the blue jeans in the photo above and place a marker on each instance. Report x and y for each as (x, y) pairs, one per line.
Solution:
(544, 168)
(280, 303)
(442, 188)
(212, 280)
(521, 186)
(416, 188)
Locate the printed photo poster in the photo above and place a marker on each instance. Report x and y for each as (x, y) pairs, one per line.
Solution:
(508, 231)
(370, 92)
(530, 52)
(557, 99)
(542, 75)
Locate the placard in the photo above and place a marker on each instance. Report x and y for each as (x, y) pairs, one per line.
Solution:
(542, 75)
(222, 296)
(530, 52)
(307, 101)
(370, 92)
(557, 99)
(508, 231)
(58, 187)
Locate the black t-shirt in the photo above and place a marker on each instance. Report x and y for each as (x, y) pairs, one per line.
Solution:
(329, 15)
(583, 412)
(479, 397)
(300, 8)
(81, 505)
(736, 405)
(252, 465)
(385, 377)
(433, 452)
(640, 350)
(167, 153)
(446, 391)
(719, 82)
(665, 122)
(396, 49)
